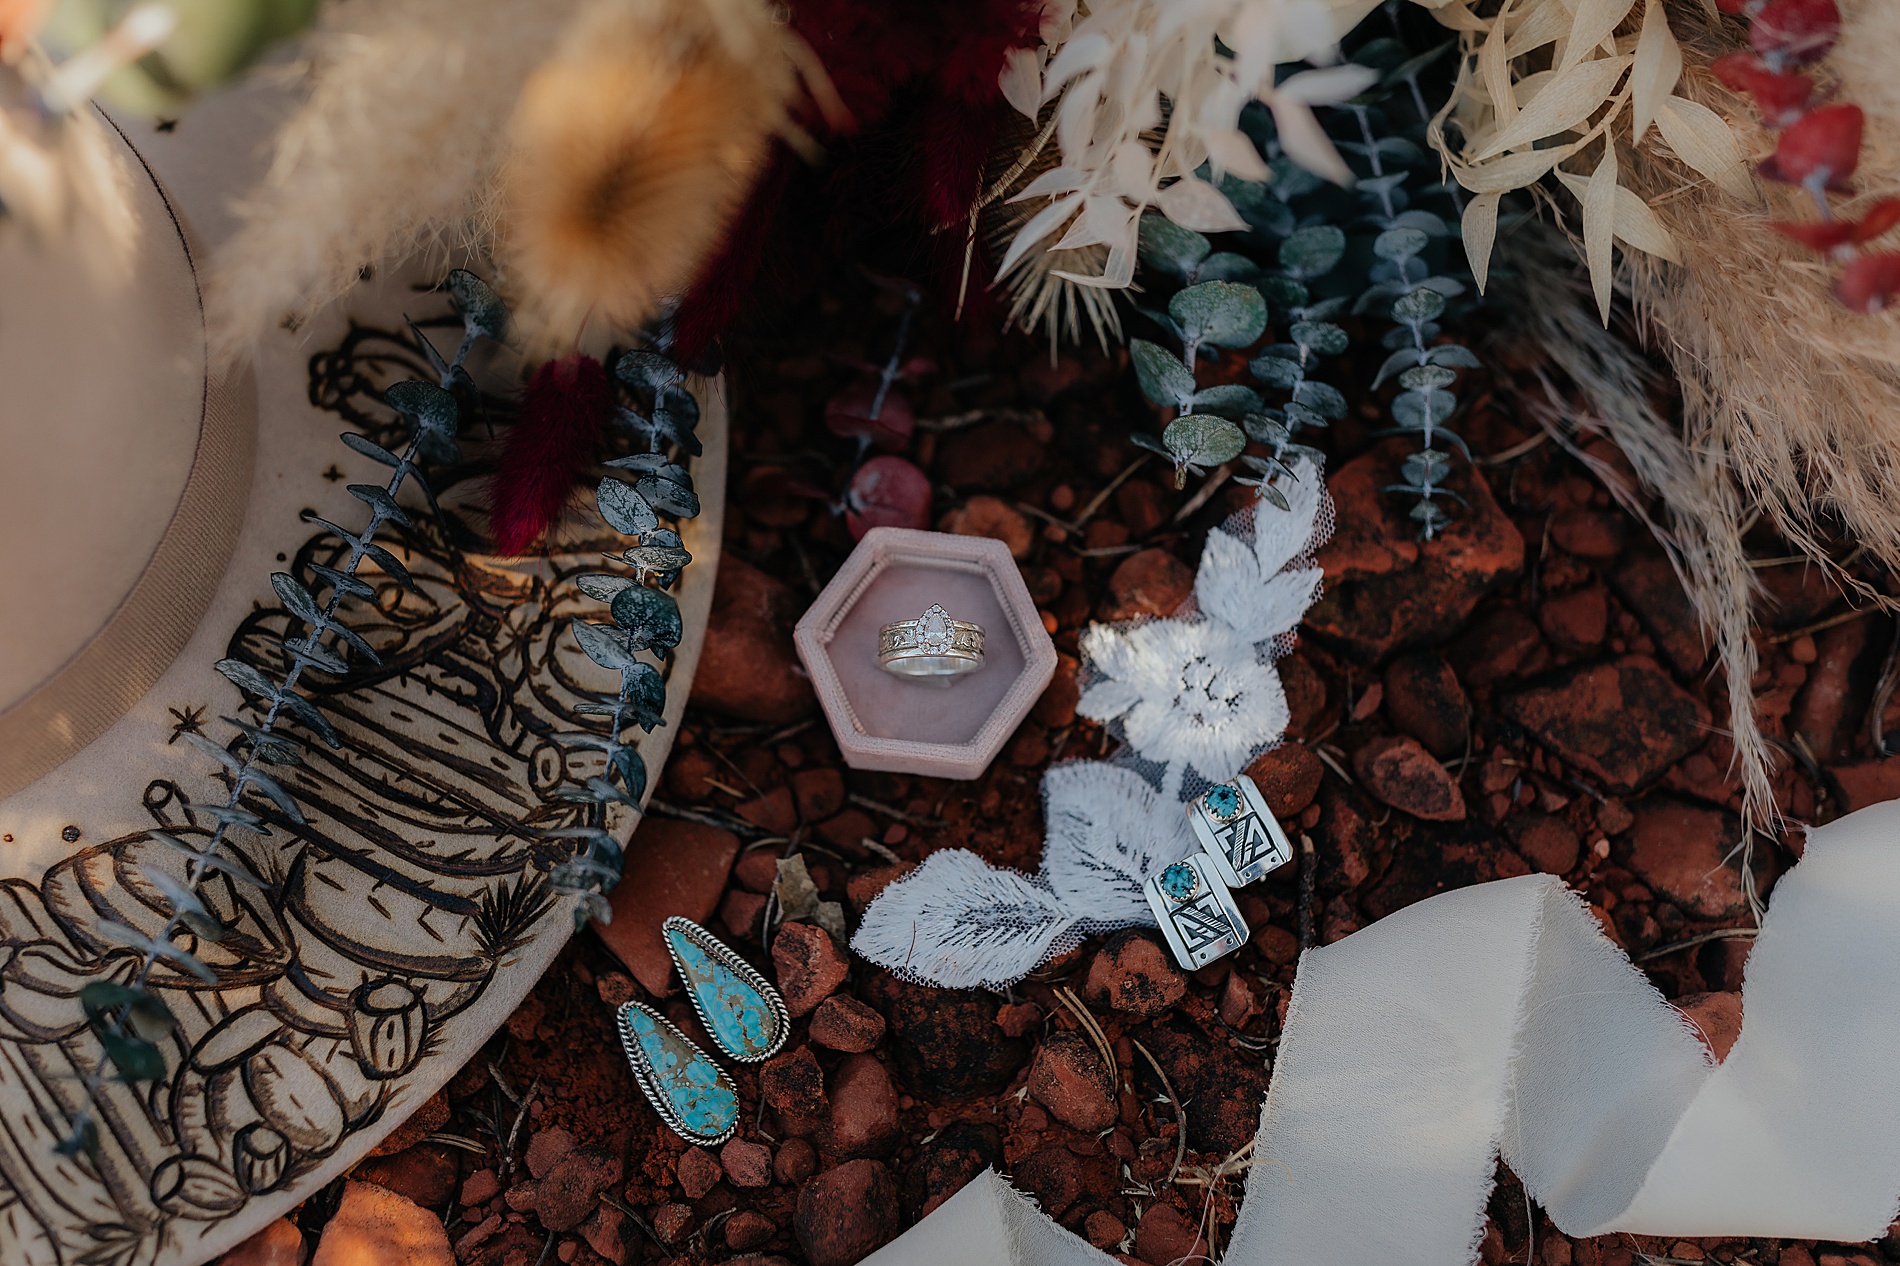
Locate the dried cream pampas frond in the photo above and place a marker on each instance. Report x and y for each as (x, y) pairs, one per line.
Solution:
(395, 151)
(1118, 66)
(632, 150)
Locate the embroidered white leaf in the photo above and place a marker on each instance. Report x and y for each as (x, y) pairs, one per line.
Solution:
(1480, 231)
(1106, 830)
(1658, 67)
(958, 922)
(1703, 141)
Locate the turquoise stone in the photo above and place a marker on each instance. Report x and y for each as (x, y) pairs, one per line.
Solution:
(700, 1098)
(1223, 801)
(1179, 881)
(737, 1016)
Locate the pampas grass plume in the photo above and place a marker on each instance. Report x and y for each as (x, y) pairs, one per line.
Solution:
(632, 150)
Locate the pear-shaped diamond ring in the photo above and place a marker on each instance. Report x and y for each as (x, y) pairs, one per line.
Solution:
(932, 645)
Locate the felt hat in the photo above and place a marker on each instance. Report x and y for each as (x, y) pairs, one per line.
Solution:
(146, 501)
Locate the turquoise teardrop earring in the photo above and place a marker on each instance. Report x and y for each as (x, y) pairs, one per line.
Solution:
(692, 1094)
(741, 1010)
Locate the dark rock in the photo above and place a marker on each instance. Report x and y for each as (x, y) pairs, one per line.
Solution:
(1576, 622)
(1716, 1016)
(1400, 772)
(612, 1234)
(1587, 532)
(426, 1173)
(748, 1229)
(1651, 591)
(1623, 722)
(1832, 705)
(480, 1187)
(992, 455)
(819, 792)
(1305, 695)
(846, 1214)
(1239, 1002)
(842, 1023)
(947, 1163)
(863, 1120)
(1132, 973)
(746, 1164)
(793, 1086)
(1861, 783)
(1385, 590)
(1349, 843)
(1144, 506)
(946, 1040)
(1793, 596)
(564, 1198)
(794, 1162)
(741, 911)
(747, 667)
(1103, 1229)
(1548, 843)
(430, 1116)
(1501, 645)
(698, 1172)
(672, 1221)
(1679, 850)
(1423, 699)
(1221, 1088)
(1056, 707)
(673, 867)
(546, 1149)
(1150, 582)
(1165, 1236)
(774, 811)
(756, 870)
(1068, 1078)
(809, 965)
(1053, 1175)
(1288, 776)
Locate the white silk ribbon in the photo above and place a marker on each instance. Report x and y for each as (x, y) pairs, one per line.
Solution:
(1499, 1019)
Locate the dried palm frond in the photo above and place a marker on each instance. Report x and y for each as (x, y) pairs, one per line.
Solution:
(631, 151)
(1041, 292)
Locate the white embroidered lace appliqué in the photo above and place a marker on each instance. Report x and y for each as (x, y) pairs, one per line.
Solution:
(1194, 696)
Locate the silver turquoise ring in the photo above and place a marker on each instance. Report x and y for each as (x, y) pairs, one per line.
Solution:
(932, 645)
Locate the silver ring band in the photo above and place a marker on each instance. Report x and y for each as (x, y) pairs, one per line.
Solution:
(932, 645)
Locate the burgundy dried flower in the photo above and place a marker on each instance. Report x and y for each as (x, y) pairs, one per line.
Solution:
(564, 416)
(1822, 147)
(1796, 30)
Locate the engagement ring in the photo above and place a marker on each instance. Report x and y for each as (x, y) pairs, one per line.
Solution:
(932, 645)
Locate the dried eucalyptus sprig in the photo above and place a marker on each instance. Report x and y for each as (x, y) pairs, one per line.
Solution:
(644, 618)
(1205, 432)
(130, 1018)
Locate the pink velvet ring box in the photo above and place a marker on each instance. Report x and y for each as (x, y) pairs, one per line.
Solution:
(883, 721)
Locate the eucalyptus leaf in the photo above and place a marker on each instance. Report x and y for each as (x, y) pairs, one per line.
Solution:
(1284, 292)
(1167, 246)
(600, 586)
(604, 644)
(370, 449)
(297, 600)
(643, 691)
(648, 371)
(1228, 266)
(1414, 410)
(343, 582)
(1319, 336)
(1276, 371)
(1163, 378)
(132, 938)
(145, 1013)
(1399, 244)
(1303, 415)
(1313, 251)
(383, 507)
(483, 311)
(271, 788)
(1427, 466)
(667, 495)
(1228, 400)
(1427, 377)
(432, 409)
(660, 560)
(632, 770)
(1324, 310)
(1322, 398)
(1417, 306)
(1198, 439)
(317, 654)
(135, 1058)
(623, 508)
(1223, 313)
(1403, 358)
(652, 616)
(1454, 355)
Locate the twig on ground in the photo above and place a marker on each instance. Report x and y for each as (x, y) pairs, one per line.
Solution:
(1180, 1113)
(1308, 865)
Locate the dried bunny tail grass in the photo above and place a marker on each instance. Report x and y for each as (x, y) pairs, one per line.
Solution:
(631, 152)
(394, 153)
(1550, 303)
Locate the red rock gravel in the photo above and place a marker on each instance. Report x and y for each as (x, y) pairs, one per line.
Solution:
(1529, 693)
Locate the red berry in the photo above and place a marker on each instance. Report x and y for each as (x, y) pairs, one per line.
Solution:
(1823, 144)
(1880, 217)
(1780, 96)
(1816, 235)
(1870, 282)
(1799, 29)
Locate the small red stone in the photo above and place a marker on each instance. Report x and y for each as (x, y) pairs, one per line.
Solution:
(748, 1229)
(1069, 1078)
(842, 1023)
(1399, 771)
(1133, 973)
(746, 1164)
(863, 1119)
(810, 966)
(698, 1172)
(1716, 1016)
(794, 1162)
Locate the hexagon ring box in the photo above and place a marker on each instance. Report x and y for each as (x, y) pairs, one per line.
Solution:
(926, 652)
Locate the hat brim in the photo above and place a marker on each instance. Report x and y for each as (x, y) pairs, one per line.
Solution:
(406, 917)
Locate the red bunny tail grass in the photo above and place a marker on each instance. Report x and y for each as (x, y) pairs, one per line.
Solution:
(563, 419)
